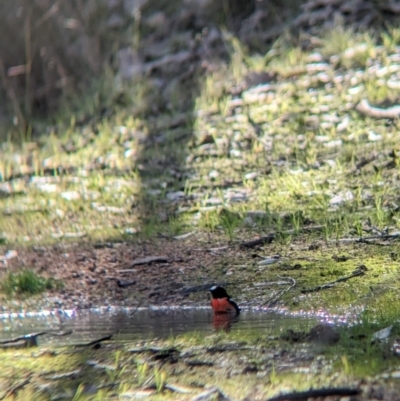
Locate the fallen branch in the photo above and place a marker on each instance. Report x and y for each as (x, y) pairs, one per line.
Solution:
(360, 271)
(365, 108)
(122, 271)
(28, 338)
(149, 260)
(60, 333)
(66, 375)
(266, 284)
(178, 237)
(368, 239)
(177, 58)
(221, 248)
(179, 389)
(322, 392)
(276, 296)
(198, 363)
(95, 342)
(267, 239)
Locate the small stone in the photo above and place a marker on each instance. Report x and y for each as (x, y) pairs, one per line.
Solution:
(57, 235)
(129, 153)
(251, 176)
(173, 196)
(60, 213)
(78, 234)
(70, 195)
(382, 334)
(115, 210)
(48, 163)
(269, 260)
(213, 202)
(374, 137)
(235, 153)
(213, 174)
(333, 144)
(47, 187)
(346, 196)
(11, 254)
(5, 189)
(131, 230)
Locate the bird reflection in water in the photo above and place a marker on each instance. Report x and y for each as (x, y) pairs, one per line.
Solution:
(224, 321)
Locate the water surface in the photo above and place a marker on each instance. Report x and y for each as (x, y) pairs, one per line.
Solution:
(145, 324)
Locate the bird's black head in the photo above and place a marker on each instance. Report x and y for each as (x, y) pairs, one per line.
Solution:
(218, 292)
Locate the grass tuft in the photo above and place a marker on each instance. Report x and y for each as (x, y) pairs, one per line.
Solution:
(27, 283)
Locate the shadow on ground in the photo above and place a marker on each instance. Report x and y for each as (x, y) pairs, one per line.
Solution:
(195, 41)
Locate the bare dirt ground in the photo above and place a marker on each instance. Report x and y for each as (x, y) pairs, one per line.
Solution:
(124, 274)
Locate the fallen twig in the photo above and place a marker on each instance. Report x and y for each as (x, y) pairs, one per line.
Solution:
(179, 389)
(29, 339)
(198, 363)
(221, 248)
(122, 271)
(266, 284)
(322, 392)
(276, 296)
(65, 375)
(258, 131)
(360, 271)
(24, 337)
(178, 237)
(136, 308)
(368, 239)
(60, 333)
(17, 387)
(267, 239)
(212, 393)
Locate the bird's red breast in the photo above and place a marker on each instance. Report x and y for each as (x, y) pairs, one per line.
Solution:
(223, 305)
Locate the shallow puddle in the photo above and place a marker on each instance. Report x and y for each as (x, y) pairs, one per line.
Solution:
(145, 324)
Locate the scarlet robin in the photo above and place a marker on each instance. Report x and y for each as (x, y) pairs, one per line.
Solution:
(221, 302)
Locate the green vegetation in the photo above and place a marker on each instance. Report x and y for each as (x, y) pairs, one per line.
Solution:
(160, 378)
(299, 128)
(238, 365)
(227, 159)
(27, 282)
